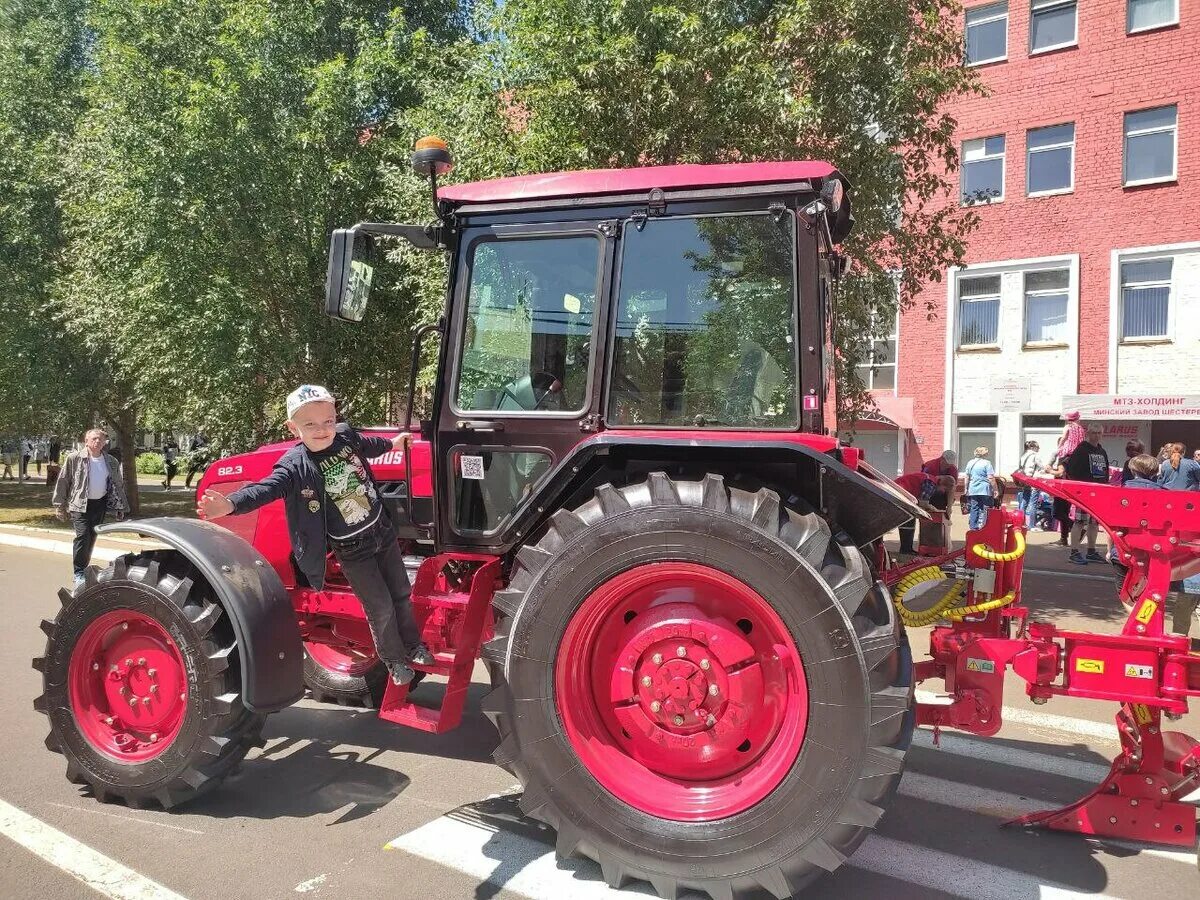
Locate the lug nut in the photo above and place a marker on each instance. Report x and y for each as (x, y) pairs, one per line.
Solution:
(154, 688)
(657, 659)
(108, 720)
(655, 706)
(681, 650)
(145, 701)
(647, 680)
(124, 626)
(129, 662)
(713, 690)
(154, 737)
(710, 721)
(705, 665)
(95, 667)
(153, 673)
(133, 701)
(141, 660)
(121, 690)
(678, 720)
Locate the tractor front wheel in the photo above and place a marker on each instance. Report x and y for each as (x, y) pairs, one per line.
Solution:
(141, 683)
(334, 675)
(700, 687)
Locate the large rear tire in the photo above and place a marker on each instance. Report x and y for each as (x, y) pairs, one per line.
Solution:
(700, 687)
(141, 683)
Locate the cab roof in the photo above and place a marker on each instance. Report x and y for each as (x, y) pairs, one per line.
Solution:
(598, 182)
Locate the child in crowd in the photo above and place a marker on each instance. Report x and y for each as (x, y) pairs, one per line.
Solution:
(331, 500)
(1072, 436)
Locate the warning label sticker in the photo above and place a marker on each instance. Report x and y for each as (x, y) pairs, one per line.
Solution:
(1090, 666)
(1146, 613)
(986, 666)
(1132, 671)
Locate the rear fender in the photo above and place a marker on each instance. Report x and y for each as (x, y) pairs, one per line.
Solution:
(859, 500)
(251, 594)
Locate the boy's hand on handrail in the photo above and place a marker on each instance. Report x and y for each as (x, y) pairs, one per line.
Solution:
(402, 441)
(214, 505)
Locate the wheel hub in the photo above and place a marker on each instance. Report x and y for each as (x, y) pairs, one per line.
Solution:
(681, 690)
(127, 686)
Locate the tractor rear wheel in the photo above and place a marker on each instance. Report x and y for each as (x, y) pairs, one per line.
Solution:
(333, 675)
(700, 687)
(141, 683)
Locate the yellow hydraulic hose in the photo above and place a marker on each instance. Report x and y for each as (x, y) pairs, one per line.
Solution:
(945, 608)
(985, 552)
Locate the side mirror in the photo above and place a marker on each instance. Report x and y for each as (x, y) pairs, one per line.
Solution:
(348, 278)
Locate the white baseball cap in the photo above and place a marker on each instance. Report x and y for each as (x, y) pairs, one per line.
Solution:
(305, 394)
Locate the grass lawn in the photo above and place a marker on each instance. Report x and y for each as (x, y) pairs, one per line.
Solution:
(29, 504)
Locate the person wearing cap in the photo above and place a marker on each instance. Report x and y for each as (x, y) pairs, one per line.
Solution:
(946, 464)
(331, 501)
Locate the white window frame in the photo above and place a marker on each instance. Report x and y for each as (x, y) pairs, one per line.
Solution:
(1172, 298)
(1025, 294)
(1147, 28)
(1003, 170)
(958, 302)
(894, 365)
(1126, 134)
(1070, 188)
(1049, 4)
(984, 20)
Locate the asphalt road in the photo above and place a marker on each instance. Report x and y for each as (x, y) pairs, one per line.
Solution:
(339, 804)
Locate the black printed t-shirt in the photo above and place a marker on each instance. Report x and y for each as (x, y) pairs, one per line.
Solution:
(352, 504)
(1088, 462)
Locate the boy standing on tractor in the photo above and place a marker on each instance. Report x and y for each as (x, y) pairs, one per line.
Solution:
(331, 500)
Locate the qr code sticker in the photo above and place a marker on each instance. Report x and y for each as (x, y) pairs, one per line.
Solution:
(472, 467)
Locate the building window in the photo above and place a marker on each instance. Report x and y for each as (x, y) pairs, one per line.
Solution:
(979, 311)
(1145, 298)
(1143, 15)
(878, 373)
(983, 170)
(1050, 167)
(1046, 306)
(1150, 138)
(1051, 25)
(987, 34)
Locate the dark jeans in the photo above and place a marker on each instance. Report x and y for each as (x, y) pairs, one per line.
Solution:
(85, 532)
(374, 567)
(907, 530)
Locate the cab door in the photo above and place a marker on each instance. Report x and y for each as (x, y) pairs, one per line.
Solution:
(523, 379)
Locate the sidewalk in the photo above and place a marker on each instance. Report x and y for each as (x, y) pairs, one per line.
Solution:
(58, 540)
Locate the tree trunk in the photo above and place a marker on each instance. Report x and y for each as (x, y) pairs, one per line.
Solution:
(124, 423)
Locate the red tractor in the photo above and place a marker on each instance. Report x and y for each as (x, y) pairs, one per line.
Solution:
(628, 499)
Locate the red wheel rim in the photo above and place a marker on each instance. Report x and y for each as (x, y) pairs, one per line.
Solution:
(344, 661)
(681, 691)
(127, 686)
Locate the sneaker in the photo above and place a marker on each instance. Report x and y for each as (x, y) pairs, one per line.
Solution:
(80, 581)
(1094, 555)
(421, 656)
(1077, 558)
(401, 674)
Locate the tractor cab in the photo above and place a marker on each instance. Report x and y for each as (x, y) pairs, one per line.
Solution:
(677, 302)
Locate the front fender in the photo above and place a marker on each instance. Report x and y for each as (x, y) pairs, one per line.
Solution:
(252, 596)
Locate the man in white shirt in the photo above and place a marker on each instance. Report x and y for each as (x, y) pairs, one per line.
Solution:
(90, 486)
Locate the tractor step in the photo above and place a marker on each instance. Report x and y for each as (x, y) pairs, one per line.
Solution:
(430, 590)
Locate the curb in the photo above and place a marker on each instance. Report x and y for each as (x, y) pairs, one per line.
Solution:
(59, 540)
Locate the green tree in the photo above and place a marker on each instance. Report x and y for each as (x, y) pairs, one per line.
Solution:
(544, 85)
(223, 141)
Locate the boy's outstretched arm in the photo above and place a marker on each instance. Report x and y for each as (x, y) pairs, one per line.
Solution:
(214, 505)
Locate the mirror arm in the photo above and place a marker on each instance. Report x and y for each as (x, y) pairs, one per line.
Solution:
(423, 237)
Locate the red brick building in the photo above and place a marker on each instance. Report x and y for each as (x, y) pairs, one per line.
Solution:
(1082, 284)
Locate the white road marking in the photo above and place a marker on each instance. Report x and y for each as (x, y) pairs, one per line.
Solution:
(89, 866)
(100, 812)
(528, 868)
(1104, 731)
(1053, 573)
(311, 885)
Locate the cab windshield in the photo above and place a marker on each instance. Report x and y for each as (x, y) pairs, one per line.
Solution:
(704, 332)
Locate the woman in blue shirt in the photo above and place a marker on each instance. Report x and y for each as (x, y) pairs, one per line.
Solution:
(981, 488)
